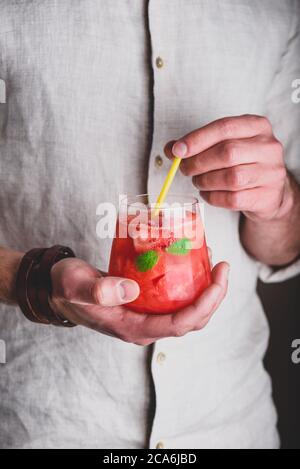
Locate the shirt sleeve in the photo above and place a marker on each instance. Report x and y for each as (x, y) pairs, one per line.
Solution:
(283, 110)
(268, 275)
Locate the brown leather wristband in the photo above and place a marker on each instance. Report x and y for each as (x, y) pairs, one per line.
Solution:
(34, 287)
(49, 258)
(29, 261)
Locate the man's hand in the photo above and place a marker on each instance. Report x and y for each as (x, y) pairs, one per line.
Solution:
(238, 164)
(86, 297)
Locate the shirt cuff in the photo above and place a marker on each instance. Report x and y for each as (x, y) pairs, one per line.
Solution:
(269, 275)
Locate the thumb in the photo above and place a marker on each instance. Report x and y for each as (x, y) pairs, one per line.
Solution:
(114, 291)
(106, 291)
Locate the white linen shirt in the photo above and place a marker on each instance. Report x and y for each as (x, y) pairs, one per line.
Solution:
(84, 114)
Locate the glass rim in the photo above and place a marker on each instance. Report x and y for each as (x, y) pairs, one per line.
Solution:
(129, 200)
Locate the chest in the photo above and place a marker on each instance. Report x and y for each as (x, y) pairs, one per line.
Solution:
(75, 59)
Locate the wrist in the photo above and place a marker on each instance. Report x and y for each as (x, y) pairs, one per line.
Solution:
(288, 200)
(275, 241)
(16, 261)
(9, 263)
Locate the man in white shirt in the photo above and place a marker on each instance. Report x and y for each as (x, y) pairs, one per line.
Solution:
(93, 94)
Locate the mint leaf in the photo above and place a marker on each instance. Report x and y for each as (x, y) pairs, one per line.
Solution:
(146, 261)
(180, 248)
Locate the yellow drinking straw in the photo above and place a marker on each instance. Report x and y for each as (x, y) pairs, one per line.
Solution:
(167, 185)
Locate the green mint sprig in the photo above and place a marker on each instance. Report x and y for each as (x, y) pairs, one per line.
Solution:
(146, 261)
(180, 247)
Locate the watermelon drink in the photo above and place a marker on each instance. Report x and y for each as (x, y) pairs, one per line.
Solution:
(164, 253)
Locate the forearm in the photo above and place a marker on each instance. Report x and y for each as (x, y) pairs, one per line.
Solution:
(276, 242)
(9, 264)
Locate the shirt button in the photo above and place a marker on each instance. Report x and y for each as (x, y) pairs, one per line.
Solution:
(160, 445)
(161, 358)
(158, 161)
(159, 62)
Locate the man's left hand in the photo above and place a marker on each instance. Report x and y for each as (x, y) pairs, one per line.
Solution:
(236, 163)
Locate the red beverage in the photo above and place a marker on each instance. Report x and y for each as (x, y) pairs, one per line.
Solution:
(165, 254)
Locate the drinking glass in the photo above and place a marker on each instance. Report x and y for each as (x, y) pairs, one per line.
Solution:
(163, 250)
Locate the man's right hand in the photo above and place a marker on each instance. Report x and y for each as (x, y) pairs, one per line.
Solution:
(86, 297)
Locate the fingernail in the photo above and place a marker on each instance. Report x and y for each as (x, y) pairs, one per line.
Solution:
(128, 290)
(179, 149)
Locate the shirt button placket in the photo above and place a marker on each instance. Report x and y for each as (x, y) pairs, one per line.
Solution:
(159, 375)
(158, 160)
(158, 170)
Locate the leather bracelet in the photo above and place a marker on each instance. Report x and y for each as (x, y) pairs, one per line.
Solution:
(49, 258)
(28, 262)
(34, 287)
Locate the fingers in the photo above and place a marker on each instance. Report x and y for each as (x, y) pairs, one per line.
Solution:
(168, 149)
(245, 175)
(220, 277)
(144, 329)
(114, 291)
(229, 128)
(253, 200)
(240, 177)
(77, 282)
(96, 302)
(199, 314)
(193, 317)
(105, 291)
(210, 256)
(232, 153)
